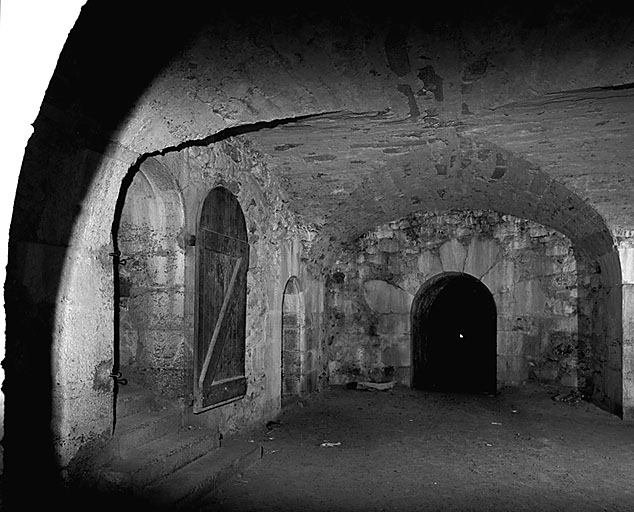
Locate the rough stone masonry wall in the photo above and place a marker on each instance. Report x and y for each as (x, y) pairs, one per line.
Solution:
(529, 269)
(276, 240)
(152, 350)
(61, 309)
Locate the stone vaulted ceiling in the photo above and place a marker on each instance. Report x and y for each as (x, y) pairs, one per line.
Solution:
(366, 117)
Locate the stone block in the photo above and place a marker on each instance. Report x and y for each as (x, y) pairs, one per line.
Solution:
(166, 307)
(500, 277)
(528, 297)
(546, 371)
(562, 305)
(383, 297)
(411, 283)
(128, 345)
(393, 324)
(162, 349)
(379, 258)
(481, 256)
(384, 232)
(539, 230)
(396, 355)
(165, 270)
(389, 245)
(569, 378)
(511, 370)
(510, 344)
(565, 323)
(429, 264)
(452, 256)
(557, 249)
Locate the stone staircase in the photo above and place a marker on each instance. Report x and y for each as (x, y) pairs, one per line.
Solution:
(157, 459)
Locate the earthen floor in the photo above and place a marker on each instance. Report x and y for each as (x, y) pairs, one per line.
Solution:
(521, 450)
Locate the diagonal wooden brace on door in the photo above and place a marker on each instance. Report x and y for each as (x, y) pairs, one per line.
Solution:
(217, 341)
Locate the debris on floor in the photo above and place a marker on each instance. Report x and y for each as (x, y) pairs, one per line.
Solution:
(572, 397)
(272, 424)
(328, 444)
(371, 386)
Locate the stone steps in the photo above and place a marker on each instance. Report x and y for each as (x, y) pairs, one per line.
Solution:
(142, 466)
(141, 428)
(132, 399)
(183, 488)
(158, 460)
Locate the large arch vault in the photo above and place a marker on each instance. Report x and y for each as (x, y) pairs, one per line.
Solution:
(324, 127)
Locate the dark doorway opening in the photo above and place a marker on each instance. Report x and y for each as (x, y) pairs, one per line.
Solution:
(454, 326)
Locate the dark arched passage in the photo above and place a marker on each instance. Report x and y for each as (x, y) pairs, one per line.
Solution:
(454, 322)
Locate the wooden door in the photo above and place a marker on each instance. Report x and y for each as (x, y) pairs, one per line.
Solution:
(222, 263)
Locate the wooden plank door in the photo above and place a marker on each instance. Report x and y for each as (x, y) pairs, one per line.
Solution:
(222, 262)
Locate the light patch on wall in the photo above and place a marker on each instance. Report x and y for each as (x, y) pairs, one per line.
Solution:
(386, 298)
(626, 255)
(452, 256)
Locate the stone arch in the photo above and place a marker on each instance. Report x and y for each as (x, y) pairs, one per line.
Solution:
(292, 353)
(453, 335)
(149, 281)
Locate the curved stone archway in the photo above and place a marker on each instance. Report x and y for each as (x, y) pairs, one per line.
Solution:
(454, 322)
(292, 340)
(149, 281)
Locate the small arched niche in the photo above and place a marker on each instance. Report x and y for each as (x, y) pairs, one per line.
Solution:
(292, 340)
(454, 326)
(150, 282)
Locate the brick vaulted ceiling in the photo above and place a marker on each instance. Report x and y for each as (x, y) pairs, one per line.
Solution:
(368, 116)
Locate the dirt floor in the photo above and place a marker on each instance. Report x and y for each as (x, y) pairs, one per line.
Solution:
(532, 448)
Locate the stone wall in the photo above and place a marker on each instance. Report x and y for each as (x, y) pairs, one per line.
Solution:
(530, 270)
(152, 348)
(625, 240)
(60, 328)
(277, 243)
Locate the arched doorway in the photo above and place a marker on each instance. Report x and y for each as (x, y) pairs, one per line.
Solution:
(222, 261)
(292, 335)
(454, 324)
(149, 282)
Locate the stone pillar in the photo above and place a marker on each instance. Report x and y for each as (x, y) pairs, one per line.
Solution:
(626, 255)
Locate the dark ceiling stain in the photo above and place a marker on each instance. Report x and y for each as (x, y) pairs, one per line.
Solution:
(286, 147)
(320, 158)
(432, 82)
(411, 101)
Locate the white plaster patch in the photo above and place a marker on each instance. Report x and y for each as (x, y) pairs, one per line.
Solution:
(385, 298)
(626, 254)
(452, 256)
